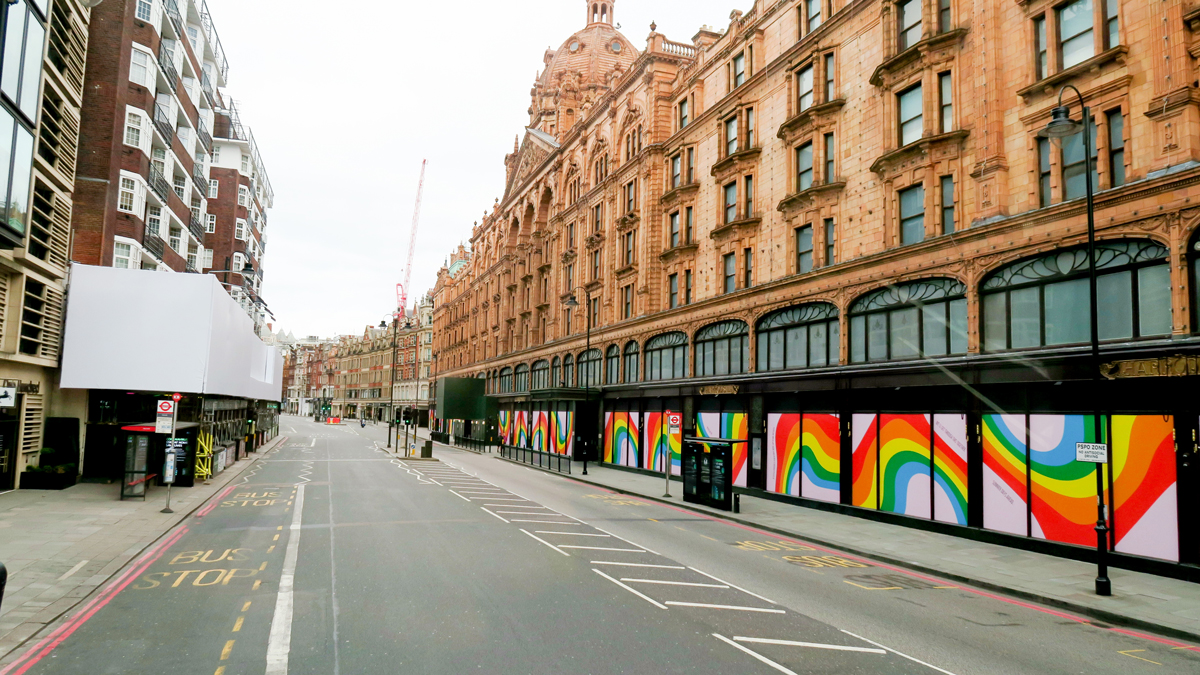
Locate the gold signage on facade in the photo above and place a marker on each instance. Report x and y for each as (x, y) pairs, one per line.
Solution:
(718, 389)
(1166, 366)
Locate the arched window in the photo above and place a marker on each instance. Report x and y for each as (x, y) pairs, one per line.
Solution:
(555, 373)
(909, 320)
(612, 365)
(666, 357)
(1045, 301)
(722, 349)
(1194, 252)
(521, 378)
(587, 368)
(568, 371)
(541, 375)
(804, 336)
(506, 380)
(632, 366)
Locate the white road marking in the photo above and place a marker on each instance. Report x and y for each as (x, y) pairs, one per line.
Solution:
(546, 542)
(625, 564)
(459, 496)
(674, 583)
(813, 645)
(756, 655)
(79, 565)
(500, 499)
(536, 513)
(601, 548)
(313, 444)
(500, 517)
(722, 581)
(279, 643)
(621, 538)
(631, 590)
(548, 522)
(480, 492)
(522, 506)
(576, 534)
(740, 608)
(901, 654)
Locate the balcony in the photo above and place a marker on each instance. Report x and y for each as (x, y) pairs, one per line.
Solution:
(200, 178)
(162, 122)
(159, 184)
(206, 85)
(166, 61)
(154, 245)
(196, 228)
(176, 18)
(204, 137)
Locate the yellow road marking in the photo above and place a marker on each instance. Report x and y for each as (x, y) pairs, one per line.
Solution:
(1128, 653)
(707, 537)
(262, 566)
(870, 588)
(272, 548)
(228, 648)
(652, 519)
(237, 625)
(279, 528)
(275, 538)
(220, 671)
(246, 606)
(256, 585)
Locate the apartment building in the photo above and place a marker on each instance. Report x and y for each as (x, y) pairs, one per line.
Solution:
(833, 228)
(44, 45)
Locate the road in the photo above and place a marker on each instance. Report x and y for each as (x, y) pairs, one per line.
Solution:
(331, 556)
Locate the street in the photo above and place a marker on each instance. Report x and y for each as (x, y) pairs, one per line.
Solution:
(332, 556)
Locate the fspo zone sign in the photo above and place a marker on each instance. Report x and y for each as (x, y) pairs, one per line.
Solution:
(1091, 452)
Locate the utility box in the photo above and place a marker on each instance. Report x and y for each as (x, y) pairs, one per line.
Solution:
(462, 398)
(708, 471)
(427, 450)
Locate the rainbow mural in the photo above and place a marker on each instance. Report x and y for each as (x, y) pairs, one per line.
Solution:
(728, 425)
(541, 430)
(621, 438)
(904, 461)
(521, 428)
(783, 453)
(506, 428)
(821, 458)
(658, 442)
(864, 486)
(950, 468)
(1145, 517)
(564, 432)
(1004, 465)
(1064, 490)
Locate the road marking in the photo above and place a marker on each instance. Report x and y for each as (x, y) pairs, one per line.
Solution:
(78, 566)
(460, 496)
(522, 506)
(576, 534)
(548, 522)
(246, 606)
(673, 583)
(722, 581)
(631, 590)
(228, 648)
(813, 645)
(237, 625)
(621, 538)
(1129, 653)
(900, 654)
(545, 542)
(601, 548)
(756, 655)
(766, 610)
(279, 643)
(625, 564)
(500, 517)
(501, 499)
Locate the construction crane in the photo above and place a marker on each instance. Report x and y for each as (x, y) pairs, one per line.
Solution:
(402, 289)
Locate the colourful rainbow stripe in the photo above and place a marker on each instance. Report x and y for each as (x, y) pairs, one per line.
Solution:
(521, 422)
(505, 427)
(1143, 460)
(1064, 491)
(620, 438)
(727, 425)
(631, 451)
(656, 441)
(783, 453)
(1004, 484)
(610, 438)
(950, 468)
(864, 489)
(821, 458)
(541, 430)
(904, 459)
(564, 432)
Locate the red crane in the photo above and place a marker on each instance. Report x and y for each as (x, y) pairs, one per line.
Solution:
(402, 289)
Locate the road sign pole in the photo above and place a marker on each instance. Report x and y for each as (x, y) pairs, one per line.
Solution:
(171, 455)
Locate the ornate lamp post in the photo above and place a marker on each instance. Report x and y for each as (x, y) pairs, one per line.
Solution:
(587, 384)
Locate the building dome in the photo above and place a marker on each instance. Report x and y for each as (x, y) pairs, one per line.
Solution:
(590, 54)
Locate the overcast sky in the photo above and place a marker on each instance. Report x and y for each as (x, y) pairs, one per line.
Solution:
(346, 99)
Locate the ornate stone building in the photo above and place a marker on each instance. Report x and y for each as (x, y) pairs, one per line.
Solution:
(836, 220)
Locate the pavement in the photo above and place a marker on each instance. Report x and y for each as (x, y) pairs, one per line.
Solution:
(336, 556)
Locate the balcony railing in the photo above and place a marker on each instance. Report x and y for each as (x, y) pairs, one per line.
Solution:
(154, 245)
(199, 177)
(176, 18)
(205, 137)
(196, 228)
(159, 184)
(162, 122)
(206, 85)
(166, 61)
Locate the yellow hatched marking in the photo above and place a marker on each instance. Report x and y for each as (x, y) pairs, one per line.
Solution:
(228, 648)
(246, 606)
(237, 625)
(1129, 653)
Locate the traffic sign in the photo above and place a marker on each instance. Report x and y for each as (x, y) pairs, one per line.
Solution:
(1091, 452)
(166, 407)
(176, 397)
(674, 422)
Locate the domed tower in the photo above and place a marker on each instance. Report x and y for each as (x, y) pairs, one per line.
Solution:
(580, 71)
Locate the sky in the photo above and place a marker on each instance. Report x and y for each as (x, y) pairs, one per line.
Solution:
(346, 100)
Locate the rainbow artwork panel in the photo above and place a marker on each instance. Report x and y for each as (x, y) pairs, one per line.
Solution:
(821, 457)
(950, 469)
(655, 446)
(563, 434)
(521, 427)
(633, 452)
(708, 425)
(1004, 464)
(505, 424)
(783, 453)
(610, 438)
(541, 430)
(1064, 490)
(864, 480)
(1145, 516)
(736, 425)
(904, 461)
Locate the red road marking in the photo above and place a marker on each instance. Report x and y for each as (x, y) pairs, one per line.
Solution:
(212, 504)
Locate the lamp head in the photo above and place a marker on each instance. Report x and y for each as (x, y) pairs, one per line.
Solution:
(248, 269)
(383, 324)
(571, 301)
(1061, 125)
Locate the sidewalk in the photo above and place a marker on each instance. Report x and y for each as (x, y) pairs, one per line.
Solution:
(60, 546)
(1166, 606)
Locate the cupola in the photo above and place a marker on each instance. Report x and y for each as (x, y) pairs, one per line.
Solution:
(600, 11)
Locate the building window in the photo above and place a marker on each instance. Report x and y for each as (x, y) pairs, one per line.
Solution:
(597, 217)
(830, 74)
(804, 336)
(911, 118)
(208, 258)
(128, 195)
(213, 186)
(555, 371)
(674, 219)
(748, 268)
(830, 242)
(144, 8)
(683, 113)
(812, 14)
(180, 186)
(731, 202)
(595, 265)
(748, 194)
(628, 302)
(687, 287)
(673, 291)
(1076, 43)
(211, 225)
(691, 165)
(1045, 301)
(723, 349)
(571, 235)
(630, 196)
(947, 185)
(910, 320)
(804, 249)
(739, 70)
(804, 88)
(121, 255)
(731, 135)
(628, 248)
(946, 102)
(612, 365)
(239, 230)
(133, 129)
(909, 15)
(687, 225)
(595, 312)
(1044, 168)
(750, 142)
(1075, 163)
(139, 68)
(521, 378)
(1116, 147)
(506, 380)
(830, 155)
(587, 368)
(730, 267)
(804, 167)
(912, 215)
(1111, 38)
(631, 362)
(666, 357)
(676, 171)
(944, 16)
(243, 196)
(154, 220)
(175, 239)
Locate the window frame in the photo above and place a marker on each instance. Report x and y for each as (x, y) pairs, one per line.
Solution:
(804, 247)
(729, 273)
(901, 122)
(903, 221)
(729, 339)
(913, 295)
(673, 344)
(813, 318)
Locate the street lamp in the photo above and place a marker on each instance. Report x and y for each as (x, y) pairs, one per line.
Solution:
(1062, 126)
(587, 351)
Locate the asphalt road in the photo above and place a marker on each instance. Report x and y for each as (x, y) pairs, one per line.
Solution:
(332, 556)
